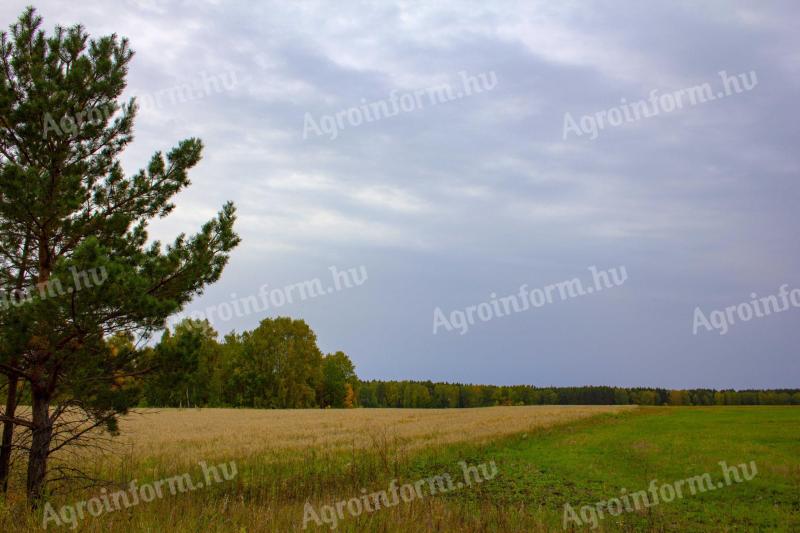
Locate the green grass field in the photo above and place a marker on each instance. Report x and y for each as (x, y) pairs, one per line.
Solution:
(595, 460)
(579, 462)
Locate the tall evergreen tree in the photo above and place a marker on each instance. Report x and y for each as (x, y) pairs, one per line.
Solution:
(65, 198)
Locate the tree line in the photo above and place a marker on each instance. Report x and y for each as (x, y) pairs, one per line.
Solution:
(428, 394)
(278, 365)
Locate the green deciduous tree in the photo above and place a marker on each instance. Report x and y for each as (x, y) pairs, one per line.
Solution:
(277, 365)
(338, 373)
(185, 367)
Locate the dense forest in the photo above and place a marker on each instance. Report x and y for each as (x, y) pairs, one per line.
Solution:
(278, 365)
(429, 394)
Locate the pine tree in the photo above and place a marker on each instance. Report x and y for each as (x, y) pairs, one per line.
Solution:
(80, 223)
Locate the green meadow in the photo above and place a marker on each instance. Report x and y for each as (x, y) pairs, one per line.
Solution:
(598, 459)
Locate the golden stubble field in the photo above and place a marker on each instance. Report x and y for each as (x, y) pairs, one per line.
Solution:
(210, 434)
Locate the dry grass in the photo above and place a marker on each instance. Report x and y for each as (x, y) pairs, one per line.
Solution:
(204, 434)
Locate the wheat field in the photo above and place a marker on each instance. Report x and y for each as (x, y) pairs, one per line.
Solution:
(211, 434)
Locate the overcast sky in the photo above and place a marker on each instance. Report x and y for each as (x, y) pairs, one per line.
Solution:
(445, 203)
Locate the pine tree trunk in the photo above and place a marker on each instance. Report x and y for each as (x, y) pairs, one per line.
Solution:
(8, 433)
(40, 447)
(13, 383)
